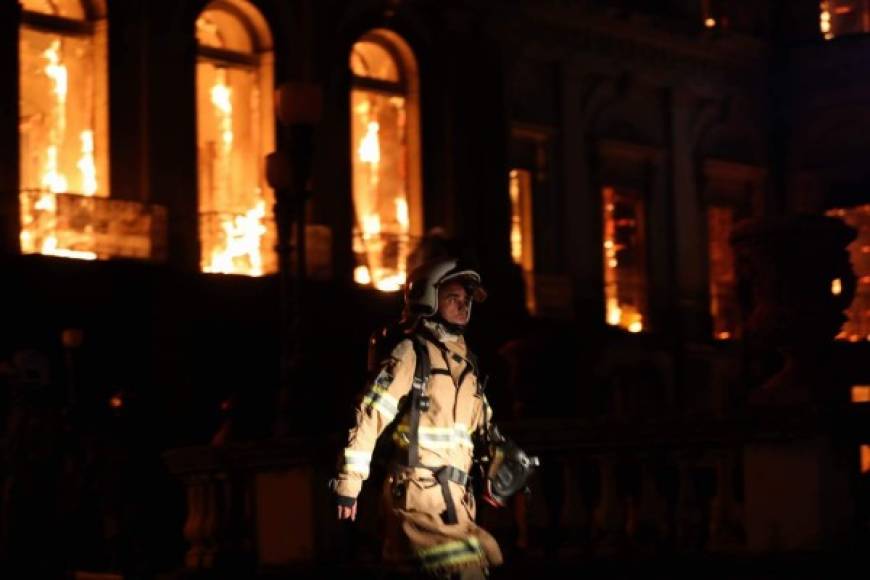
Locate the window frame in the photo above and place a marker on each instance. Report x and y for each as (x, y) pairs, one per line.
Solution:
(260, 61)
(407, 87)
(635, 167)
(736, 186)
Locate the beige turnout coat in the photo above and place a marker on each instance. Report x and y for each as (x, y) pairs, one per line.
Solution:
(416, 530)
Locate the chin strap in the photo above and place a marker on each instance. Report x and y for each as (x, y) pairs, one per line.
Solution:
(449, 327)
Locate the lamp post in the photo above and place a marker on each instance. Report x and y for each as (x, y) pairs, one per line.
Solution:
(288, 171)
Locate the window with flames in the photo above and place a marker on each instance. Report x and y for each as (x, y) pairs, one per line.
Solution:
(857, 325)
(65, 208)
(235, 130)
(724, 307)
(624, 247)
(62, 126)
(522, 243)
(385, 159)
(843, 17)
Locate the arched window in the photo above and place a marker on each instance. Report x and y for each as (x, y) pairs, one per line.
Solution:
(63, 137)
(235, 130)
(730, 193)
(385, 149)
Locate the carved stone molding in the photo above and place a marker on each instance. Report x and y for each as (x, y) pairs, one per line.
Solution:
(737, 185)
(628, 164)
(577, 31)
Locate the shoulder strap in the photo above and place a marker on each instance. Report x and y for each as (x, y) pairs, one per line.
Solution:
(422, 372)
(471, 367)
(472, 358)
(423, 367)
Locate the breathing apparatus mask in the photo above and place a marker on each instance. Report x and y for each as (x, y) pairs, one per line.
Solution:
(508, 468)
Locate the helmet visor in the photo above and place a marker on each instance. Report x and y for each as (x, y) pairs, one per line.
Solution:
(470, 280)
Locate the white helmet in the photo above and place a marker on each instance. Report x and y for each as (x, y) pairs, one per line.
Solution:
(421, 290)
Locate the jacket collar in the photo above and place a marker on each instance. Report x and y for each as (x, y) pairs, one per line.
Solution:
(440, 333)
(435, 333)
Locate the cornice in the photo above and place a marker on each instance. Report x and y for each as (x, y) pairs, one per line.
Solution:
(568, 31)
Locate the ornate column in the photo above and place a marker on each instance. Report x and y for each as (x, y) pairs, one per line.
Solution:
(610, 514)
(688, 515)
(726, 530)
(652, 512)
(251, 507)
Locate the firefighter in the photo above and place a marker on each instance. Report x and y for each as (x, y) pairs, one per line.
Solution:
(427, 396)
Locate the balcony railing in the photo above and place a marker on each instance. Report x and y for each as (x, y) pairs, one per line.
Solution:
(91, 227)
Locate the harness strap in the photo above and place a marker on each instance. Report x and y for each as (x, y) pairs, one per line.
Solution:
(443, 475)
(442, 478)
(453, 474)
(422, 371)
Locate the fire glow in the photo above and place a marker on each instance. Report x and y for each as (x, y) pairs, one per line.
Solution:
(516, 217)
(856, 328)
(724, 310)
(39, 205)
(242, 233)
(237, 232)
(379, 138)
(619, 311)
(383, 236)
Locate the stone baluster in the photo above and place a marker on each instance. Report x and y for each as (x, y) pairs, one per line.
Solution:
(219, 521)
(236, 542)
(628, 482)
(610, 514)
(211, 522)
(688, 515)
(214, 524)
(725, 528)
(194, 525)
(652, 510)
(589, 482)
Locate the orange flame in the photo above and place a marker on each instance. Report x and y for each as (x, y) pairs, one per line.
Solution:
(240, 254)
(86, 165)
(369, 147)
(516, 225)
(38, 212)
(861, 394)
(237, 250)
(617, 313)
(383, 238)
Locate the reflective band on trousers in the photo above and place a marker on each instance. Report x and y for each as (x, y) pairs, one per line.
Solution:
(451, 553)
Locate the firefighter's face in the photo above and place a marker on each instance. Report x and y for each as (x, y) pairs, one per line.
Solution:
(454, 303)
